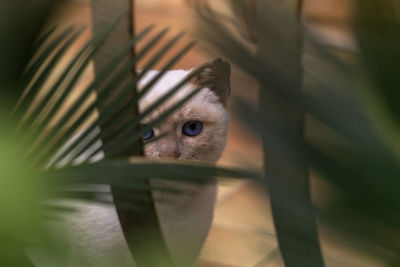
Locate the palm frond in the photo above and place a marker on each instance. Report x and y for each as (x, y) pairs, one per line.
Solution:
(73, 125)
(47, 142)
(38, 43)
(51, 105)
(29, 93)
(139, 168)
(44, 145)
(116, 114)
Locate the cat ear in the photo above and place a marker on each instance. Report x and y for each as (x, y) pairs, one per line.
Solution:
(216, 77)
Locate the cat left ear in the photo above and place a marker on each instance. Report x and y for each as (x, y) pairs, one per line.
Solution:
(216, 77)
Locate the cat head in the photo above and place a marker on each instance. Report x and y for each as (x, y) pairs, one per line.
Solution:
(197, 130)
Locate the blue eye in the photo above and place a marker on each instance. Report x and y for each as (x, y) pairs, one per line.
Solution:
(192, 128)
(147, 135)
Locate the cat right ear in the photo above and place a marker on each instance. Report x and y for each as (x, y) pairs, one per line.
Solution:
(216, 77)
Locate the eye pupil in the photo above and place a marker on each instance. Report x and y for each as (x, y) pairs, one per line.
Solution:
(192, 128)
(147, 135)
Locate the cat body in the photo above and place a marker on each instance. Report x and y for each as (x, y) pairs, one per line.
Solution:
(196, 131)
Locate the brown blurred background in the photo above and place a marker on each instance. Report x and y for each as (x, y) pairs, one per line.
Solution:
(242, 233)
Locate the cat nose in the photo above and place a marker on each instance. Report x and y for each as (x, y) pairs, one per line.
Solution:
(168, 148)
(170, 154)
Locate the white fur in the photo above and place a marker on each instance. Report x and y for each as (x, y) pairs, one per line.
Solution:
(94, 232)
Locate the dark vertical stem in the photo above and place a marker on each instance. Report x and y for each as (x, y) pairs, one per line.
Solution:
(287, 175)
(103, 13)
(140, 224)
(299, 9)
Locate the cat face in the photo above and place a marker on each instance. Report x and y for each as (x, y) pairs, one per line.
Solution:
(197, 130)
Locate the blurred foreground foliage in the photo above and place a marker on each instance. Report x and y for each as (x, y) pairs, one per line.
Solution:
(44, 163)
(353, 94)
(348, 136)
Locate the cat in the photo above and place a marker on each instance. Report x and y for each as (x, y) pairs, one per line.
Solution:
(196, 131)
